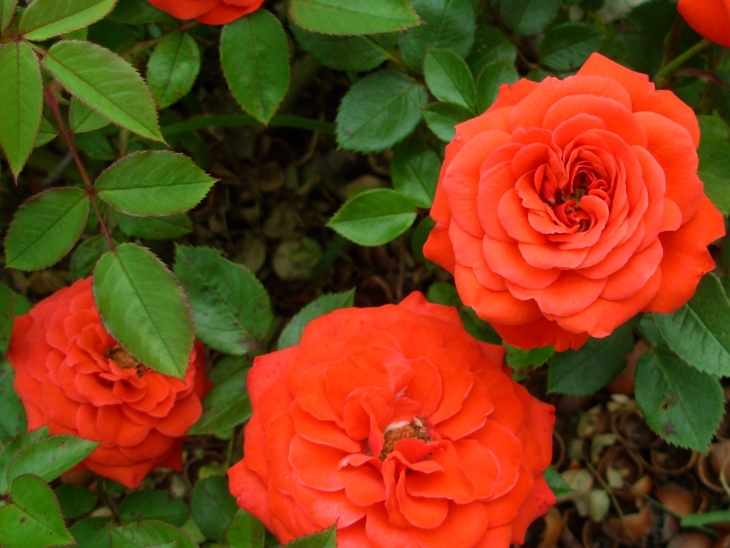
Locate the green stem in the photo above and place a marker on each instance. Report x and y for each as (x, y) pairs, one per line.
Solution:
(681, 58)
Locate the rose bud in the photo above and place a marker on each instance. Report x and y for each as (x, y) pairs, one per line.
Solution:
(710, 18)
(210, 12)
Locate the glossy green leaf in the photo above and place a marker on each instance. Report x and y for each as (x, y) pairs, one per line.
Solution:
(556, 482)
(15, 447)
(7, 316)
(323, 539)
(75, 500)
(245, 531)
(528, 16)
(154, 228)
(374, 217)
(107, 83)
(45, 19)
(95, 145)
(490, 46)
(150, 534)
(593, 365)
(226, 405)
(46, 133)
(415, 170)
(449, 79)
(348, 17)
(173, 68)
(448, 24)
(12, 412)
(33, 518)
(213, 506)
(153, 183)
(518, 359)
(699, 332)
(92, 533)
(292, 333)
(567, 46)
(714, 168)
(348, 53)
(143, 306)
(21, 108)
(155, 504)
(379, 111)
(230, 307)
(139, 12)
(491, 79)
(51, 457)
(45, 228)
(255, 60)
(82, 118)
(442, 118)
(86, 255)
(7, 13)
(680, 403)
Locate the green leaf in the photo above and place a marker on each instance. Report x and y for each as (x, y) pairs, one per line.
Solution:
(556, 482)
(699, 332)
(33, 518)
(51, 457)
(415, 170)
(714, 168)
(75, 500)
(7, 13)
(449, 79)
(95, 145)
(491, 79)
(379, 111)
(154, 228)
(255, 60)
(441, 118)
(374, 217)
(45, 228)
(348, 53)
(107, 83)
(567, 46)
(82, 118)
(443, 293)
(292, 333)
(21, 108)
(213, 507)
(348, 17)
(14, 448)
(7, 316)
(528, 16)
(45, 19)
(681, 404)
(230, 307)
(245, 531)
(593, 365)
(324, 539)
(149, 534)
(92, 533)
(143, 306)
(518, 359)
(86, 255)
(156, 504)
(139, 12)
(46, 133)
(153, 183)
(490, 46)
(173, 68)
(12, 413)
(449, 24)
(227, 404)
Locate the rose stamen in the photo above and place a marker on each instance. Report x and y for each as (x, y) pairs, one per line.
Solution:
(415, 429)
(125, 360)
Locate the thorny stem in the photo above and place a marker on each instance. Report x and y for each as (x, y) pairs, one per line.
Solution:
(681, 58)
(90, 190)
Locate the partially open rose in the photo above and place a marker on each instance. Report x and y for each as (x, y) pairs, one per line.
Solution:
(710, 18)
(210, 12)
(74, 377)
(571, 205)
(396, 424)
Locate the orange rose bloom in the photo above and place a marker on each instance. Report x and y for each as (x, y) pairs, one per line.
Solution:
(571, 205)
(73, 376)
(710, 18)
(210, 12)
(396, 424)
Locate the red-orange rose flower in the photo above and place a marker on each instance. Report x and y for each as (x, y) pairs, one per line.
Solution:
(210, 12)
(72, 375)
(396, 424)
(710, 18)
(571, 205)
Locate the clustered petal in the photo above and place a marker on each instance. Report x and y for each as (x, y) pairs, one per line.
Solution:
(396, 424)
(74, 377)
(210, 12)
(571, 205)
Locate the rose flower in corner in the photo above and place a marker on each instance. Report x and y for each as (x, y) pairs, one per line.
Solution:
(571, 205)
(210, 12)
(73, 376)
(396, 424)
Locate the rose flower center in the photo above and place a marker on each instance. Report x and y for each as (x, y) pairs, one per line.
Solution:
(124, 359)
(396, 432)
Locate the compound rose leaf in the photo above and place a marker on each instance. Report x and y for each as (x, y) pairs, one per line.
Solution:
(449, 79)
(45, 19)
(414, 171)
(51, 457)
(173, 68)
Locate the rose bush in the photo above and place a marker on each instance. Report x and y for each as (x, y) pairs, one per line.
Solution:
(571, 205)
(400, 427)
(72, 375)
(210, 12)
(710, 18)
